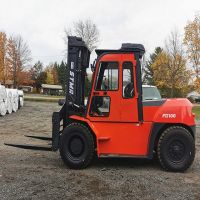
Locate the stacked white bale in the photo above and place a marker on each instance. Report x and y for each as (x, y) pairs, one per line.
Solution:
(3, 96)
(15, 99)
(9, 101)
(21, 98)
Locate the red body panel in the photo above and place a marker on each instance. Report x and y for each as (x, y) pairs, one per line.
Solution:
(172, 111)
(120, 138)
(120, 133)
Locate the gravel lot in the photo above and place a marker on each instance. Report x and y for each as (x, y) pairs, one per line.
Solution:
(26, 174)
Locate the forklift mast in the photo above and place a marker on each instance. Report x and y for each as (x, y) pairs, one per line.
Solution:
(78, 62)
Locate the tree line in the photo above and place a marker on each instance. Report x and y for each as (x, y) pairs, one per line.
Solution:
(16, 69)
(53, 74)
(15, 59)
(175, 68)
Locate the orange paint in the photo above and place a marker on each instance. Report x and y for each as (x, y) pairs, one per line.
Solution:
(120, 133)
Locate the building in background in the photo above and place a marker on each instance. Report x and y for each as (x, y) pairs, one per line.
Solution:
(26, 88)
(51, 89)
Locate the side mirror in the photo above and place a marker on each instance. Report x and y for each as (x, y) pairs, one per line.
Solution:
(61, 102)
(93, 66)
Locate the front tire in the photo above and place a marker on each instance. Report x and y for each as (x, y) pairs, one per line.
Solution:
(176, 149)
(77, 146)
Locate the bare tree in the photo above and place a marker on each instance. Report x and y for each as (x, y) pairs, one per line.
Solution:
(176, 63)
(86, 30)
(19, 57)
(23, 52)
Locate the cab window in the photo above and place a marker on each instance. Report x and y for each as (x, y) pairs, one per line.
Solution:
(128, 85)
(108, 76)
(100, 106)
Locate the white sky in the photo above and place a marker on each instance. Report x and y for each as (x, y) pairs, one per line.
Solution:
(41, 23)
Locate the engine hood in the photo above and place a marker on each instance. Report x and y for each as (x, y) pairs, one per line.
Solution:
(177, 110)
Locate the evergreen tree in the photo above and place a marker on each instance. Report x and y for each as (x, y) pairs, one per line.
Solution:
(62, 74)
(38, 75)
(148, 70)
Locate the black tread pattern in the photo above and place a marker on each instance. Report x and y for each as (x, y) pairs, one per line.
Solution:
(91, 149)
(160, 157)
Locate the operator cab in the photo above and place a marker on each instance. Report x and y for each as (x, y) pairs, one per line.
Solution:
(116, 85)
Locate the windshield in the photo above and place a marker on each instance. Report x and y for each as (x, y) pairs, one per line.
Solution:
(151, 93)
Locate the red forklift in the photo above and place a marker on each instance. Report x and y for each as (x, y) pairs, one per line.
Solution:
(117, 121)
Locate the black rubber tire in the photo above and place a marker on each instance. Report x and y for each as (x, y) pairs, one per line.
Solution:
(77, 146)
(176, 149)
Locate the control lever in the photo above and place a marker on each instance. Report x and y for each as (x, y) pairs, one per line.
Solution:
(81, 108)
(75, 105)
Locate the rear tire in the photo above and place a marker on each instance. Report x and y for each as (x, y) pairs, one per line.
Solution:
(77, 146)
(176, 149)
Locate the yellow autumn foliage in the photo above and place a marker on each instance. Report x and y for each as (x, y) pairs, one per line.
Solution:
(192, 42)
(170, 71)
(197, 85)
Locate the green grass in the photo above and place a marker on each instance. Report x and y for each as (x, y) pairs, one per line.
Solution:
(41, 99)
(196, 110)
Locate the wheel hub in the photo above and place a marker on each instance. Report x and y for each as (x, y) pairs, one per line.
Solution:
(176, 150)
(76, 146)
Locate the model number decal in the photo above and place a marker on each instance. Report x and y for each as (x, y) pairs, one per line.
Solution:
(168, 115)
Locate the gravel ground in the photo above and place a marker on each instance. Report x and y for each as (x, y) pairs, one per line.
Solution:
(26, 174)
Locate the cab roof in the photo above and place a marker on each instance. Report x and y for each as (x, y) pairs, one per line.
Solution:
(125, 48)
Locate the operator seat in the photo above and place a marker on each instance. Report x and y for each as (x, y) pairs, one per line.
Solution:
(129, 90)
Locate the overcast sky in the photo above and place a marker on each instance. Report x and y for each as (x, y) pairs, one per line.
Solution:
(41, 23)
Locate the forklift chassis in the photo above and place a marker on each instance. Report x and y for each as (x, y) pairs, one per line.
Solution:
(116, 121)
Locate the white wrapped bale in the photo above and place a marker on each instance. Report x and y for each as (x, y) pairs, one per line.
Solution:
(9, 101)
(21, 98)
(14, 101)
(3, 96)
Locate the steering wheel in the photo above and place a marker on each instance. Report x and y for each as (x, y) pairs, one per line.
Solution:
(129, 90)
